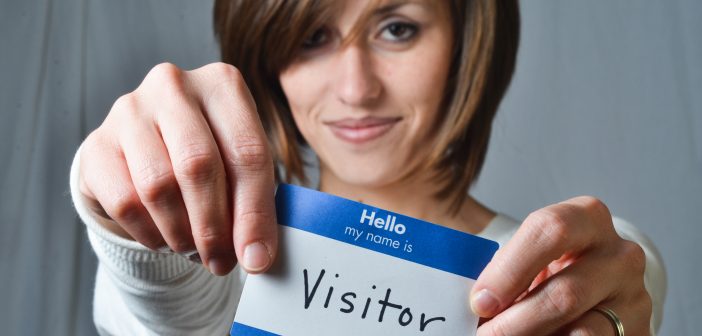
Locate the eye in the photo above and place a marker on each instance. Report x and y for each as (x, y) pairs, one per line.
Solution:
(399, 32)
(318, 38)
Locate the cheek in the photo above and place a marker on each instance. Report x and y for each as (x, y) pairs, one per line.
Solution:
(419, 85)
(304, 84)
(302, 90)
(291, 82)
(429, 73)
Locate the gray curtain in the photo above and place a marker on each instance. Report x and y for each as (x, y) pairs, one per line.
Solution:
(62, 64)
(606, 101)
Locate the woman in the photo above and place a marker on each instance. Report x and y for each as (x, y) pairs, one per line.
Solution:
(396, 99)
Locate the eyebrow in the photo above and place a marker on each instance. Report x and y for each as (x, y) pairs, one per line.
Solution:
(393, 5)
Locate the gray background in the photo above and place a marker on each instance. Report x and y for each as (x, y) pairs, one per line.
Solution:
(606, 101)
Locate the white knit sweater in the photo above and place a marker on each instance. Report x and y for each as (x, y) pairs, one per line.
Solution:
(142, 292)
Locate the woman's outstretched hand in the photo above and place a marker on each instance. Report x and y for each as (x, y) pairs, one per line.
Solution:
(564, 260)
(183, 163)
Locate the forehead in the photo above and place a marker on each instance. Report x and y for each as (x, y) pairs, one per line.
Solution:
(364, 8)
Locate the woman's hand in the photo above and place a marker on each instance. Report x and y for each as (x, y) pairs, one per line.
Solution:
(183, 163)
(563, 261)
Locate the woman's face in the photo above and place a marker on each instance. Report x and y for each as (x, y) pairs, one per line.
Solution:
(369, 108)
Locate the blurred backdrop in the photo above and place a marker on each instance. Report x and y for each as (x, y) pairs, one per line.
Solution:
(606, 101)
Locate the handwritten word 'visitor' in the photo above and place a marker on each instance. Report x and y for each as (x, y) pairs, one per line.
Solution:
(346, 303)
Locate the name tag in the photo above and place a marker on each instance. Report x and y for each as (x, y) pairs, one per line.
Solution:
(346, 268)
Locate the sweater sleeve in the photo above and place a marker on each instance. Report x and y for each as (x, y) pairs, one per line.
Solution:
(655, 277)
(142, 292)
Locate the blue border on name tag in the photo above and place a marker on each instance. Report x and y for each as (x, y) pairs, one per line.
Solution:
(239, 329)
(432, 245)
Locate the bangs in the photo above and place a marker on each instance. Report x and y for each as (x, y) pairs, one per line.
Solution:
(275, 30)
(292, 22)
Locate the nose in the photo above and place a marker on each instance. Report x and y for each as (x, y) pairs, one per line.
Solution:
(356, 83)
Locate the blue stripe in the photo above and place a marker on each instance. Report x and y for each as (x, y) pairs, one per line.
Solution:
(239, 329)
(432, 245)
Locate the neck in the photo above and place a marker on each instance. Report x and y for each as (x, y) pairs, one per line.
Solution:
(414, 197)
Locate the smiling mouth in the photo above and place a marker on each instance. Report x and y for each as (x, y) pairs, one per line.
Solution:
(358, 131)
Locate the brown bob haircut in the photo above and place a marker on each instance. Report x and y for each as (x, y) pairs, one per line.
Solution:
(261, 37)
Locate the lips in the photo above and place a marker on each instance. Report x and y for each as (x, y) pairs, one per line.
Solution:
(358, 131)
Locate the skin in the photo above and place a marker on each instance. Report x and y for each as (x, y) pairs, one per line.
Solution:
(187, 136)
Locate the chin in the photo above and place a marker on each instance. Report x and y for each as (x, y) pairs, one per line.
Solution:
(368, 176)
(373, 168)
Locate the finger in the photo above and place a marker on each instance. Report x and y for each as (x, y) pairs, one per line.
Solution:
(197, 167)
(106, 177)
(632, 304)
(546, 235)
(560, 299)
(633, 311)
(231, 112)
(91, 201)
(591, 323)
(153, 177)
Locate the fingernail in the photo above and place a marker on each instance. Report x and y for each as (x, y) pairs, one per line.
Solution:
(484, 303)
(256, 257)
(219, 266)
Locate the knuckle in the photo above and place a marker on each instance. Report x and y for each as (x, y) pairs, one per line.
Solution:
(124, 208)
(166, 76)
(646, 305)
(564, 297)
(641, 309)
(228, 71)
(229, 86)
(257, 224)
(156, 185)
(125, 102)
(209, 237)
(596, 206)
(255, 217)
(249, 152)
(595, 203)
(126, 106)
(197, 163)
(550, 227)
(634, 257)
(93, 142)
(165, 71)
(639, 261)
